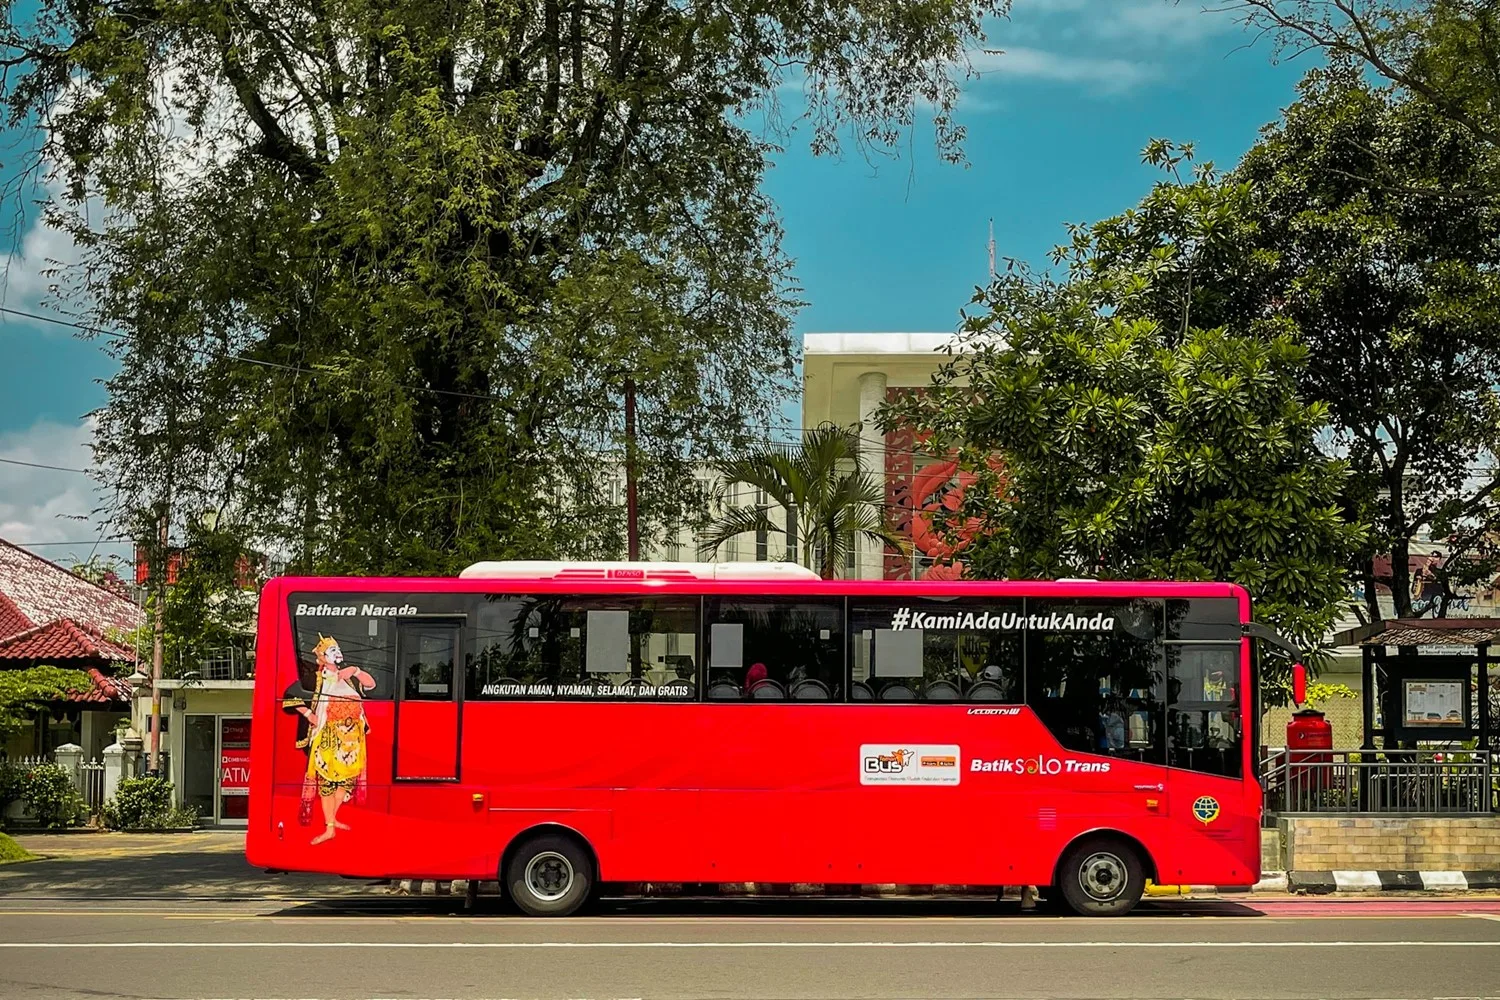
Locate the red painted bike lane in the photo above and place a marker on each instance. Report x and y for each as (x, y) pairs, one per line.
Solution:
(1325, 907)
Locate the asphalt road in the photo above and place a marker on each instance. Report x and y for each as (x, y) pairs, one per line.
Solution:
(185, 916)
(391, 947)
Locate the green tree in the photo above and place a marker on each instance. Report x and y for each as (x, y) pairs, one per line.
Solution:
(1398, 297)
(206, 607)
(383, 269)
(829, 503)
(24, 691)
(1334, 226)
(1137, 444)
(1443, 52)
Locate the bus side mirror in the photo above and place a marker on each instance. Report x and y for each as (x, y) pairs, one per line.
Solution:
(1299, 684)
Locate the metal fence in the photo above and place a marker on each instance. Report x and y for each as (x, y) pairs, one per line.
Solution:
(90, 783)
(1409, 782)
(31, 761)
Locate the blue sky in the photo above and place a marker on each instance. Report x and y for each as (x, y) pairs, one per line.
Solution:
(1056, 125)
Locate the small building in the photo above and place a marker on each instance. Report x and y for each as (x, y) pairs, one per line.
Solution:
(50, 616)
(205, 708)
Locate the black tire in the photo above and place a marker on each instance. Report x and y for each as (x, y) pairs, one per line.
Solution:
(1102, 877)
(549, 875)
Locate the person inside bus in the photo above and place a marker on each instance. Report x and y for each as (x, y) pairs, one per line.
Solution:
(992, 674)
(754, 677)
(1112, 726)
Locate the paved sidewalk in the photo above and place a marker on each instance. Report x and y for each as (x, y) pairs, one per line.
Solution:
(208, 864)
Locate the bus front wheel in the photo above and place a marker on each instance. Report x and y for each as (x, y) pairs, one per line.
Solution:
(1101, 878)
(549, 875)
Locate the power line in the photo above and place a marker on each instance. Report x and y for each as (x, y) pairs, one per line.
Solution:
(85, 541)
(40, 465)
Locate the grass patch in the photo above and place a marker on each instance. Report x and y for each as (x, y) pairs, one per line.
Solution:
(11, 851)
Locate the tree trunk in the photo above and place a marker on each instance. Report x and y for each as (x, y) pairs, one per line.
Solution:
(1401, 576)
(1372, 598)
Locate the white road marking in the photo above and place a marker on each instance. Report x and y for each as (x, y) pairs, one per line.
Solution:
(709, 945)
(1483, 916)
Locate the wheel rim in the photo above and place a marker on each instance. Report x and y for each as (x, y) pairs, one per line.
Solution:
(1103, 876)
(549, 876)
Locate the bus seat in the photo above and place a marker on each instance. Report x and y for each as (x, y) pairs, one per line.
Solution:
(811, 690)
(941, 691)
(768, 690)
(986, 691)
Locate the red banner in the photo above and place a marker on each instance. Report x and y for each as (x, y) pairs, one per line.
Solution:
(234, 768)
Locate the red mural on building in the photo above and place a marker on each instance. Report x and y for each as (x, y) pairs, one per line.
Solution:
(922, 503)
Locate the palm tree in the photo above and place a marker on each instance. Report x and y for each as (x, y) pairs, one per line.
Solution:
(819, 484)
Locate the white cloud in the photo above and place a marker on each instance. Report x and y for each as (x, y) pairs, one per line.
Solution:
(1104, 47)
(48, 505)
(1164, 21)
(1100, 74)
(33, 275)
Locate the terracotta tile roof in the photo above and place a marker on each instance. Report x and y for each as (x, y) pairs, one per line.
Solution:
(42, 592)
(1423, 632)
(106, 690)
(11, 619)
(63, 639)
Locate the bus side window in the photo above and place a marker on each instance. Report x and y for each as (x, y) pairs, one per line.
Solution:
(1095, 677)
(936, 649)
(367, 642)
(584, 648)
(775, 649)
(1202, 712)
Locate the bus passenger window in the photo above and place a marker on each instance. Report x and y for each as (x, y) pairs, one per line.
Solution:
(775, 649)
(1094, 675)
(936, 649)
(584, 648)
(367, 641)
(1203, 728)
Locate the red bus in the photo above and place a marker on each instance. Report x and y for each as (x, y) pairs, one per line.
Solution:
(560, 726)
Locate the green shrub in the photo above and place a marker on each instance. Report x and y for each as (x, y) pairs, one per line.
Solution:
(146, 804)
(12, 851)
(49, 796)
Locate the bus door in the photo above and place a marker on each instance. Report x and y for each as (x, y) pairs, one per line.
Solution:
(428, 675)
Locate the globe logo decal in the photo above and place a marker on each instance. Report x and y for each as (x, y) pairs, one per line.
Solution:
(1206, 809)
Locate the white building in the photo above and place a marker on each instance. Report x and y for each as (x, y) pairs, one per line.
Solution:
(846, 378)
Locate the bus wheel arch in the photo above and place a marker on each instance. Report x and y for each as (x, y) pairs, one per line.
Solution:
(549, 870)
(1094, 863)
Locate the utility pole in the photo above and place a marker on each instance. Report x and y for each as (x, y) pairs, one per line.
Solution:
(159, 631)
(992, 250)
(632, 525)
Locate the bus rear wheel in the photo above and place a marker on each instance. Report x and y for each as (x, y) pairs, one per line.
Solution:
(1101, 878)
(549, 875)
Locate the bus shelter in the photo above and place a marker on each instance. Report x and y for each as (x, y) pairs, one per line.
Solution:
(1431, 707)
(1429, 682)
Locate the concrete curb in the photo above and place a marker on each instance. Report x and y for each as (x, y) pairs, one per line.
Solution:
(1322, 883)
